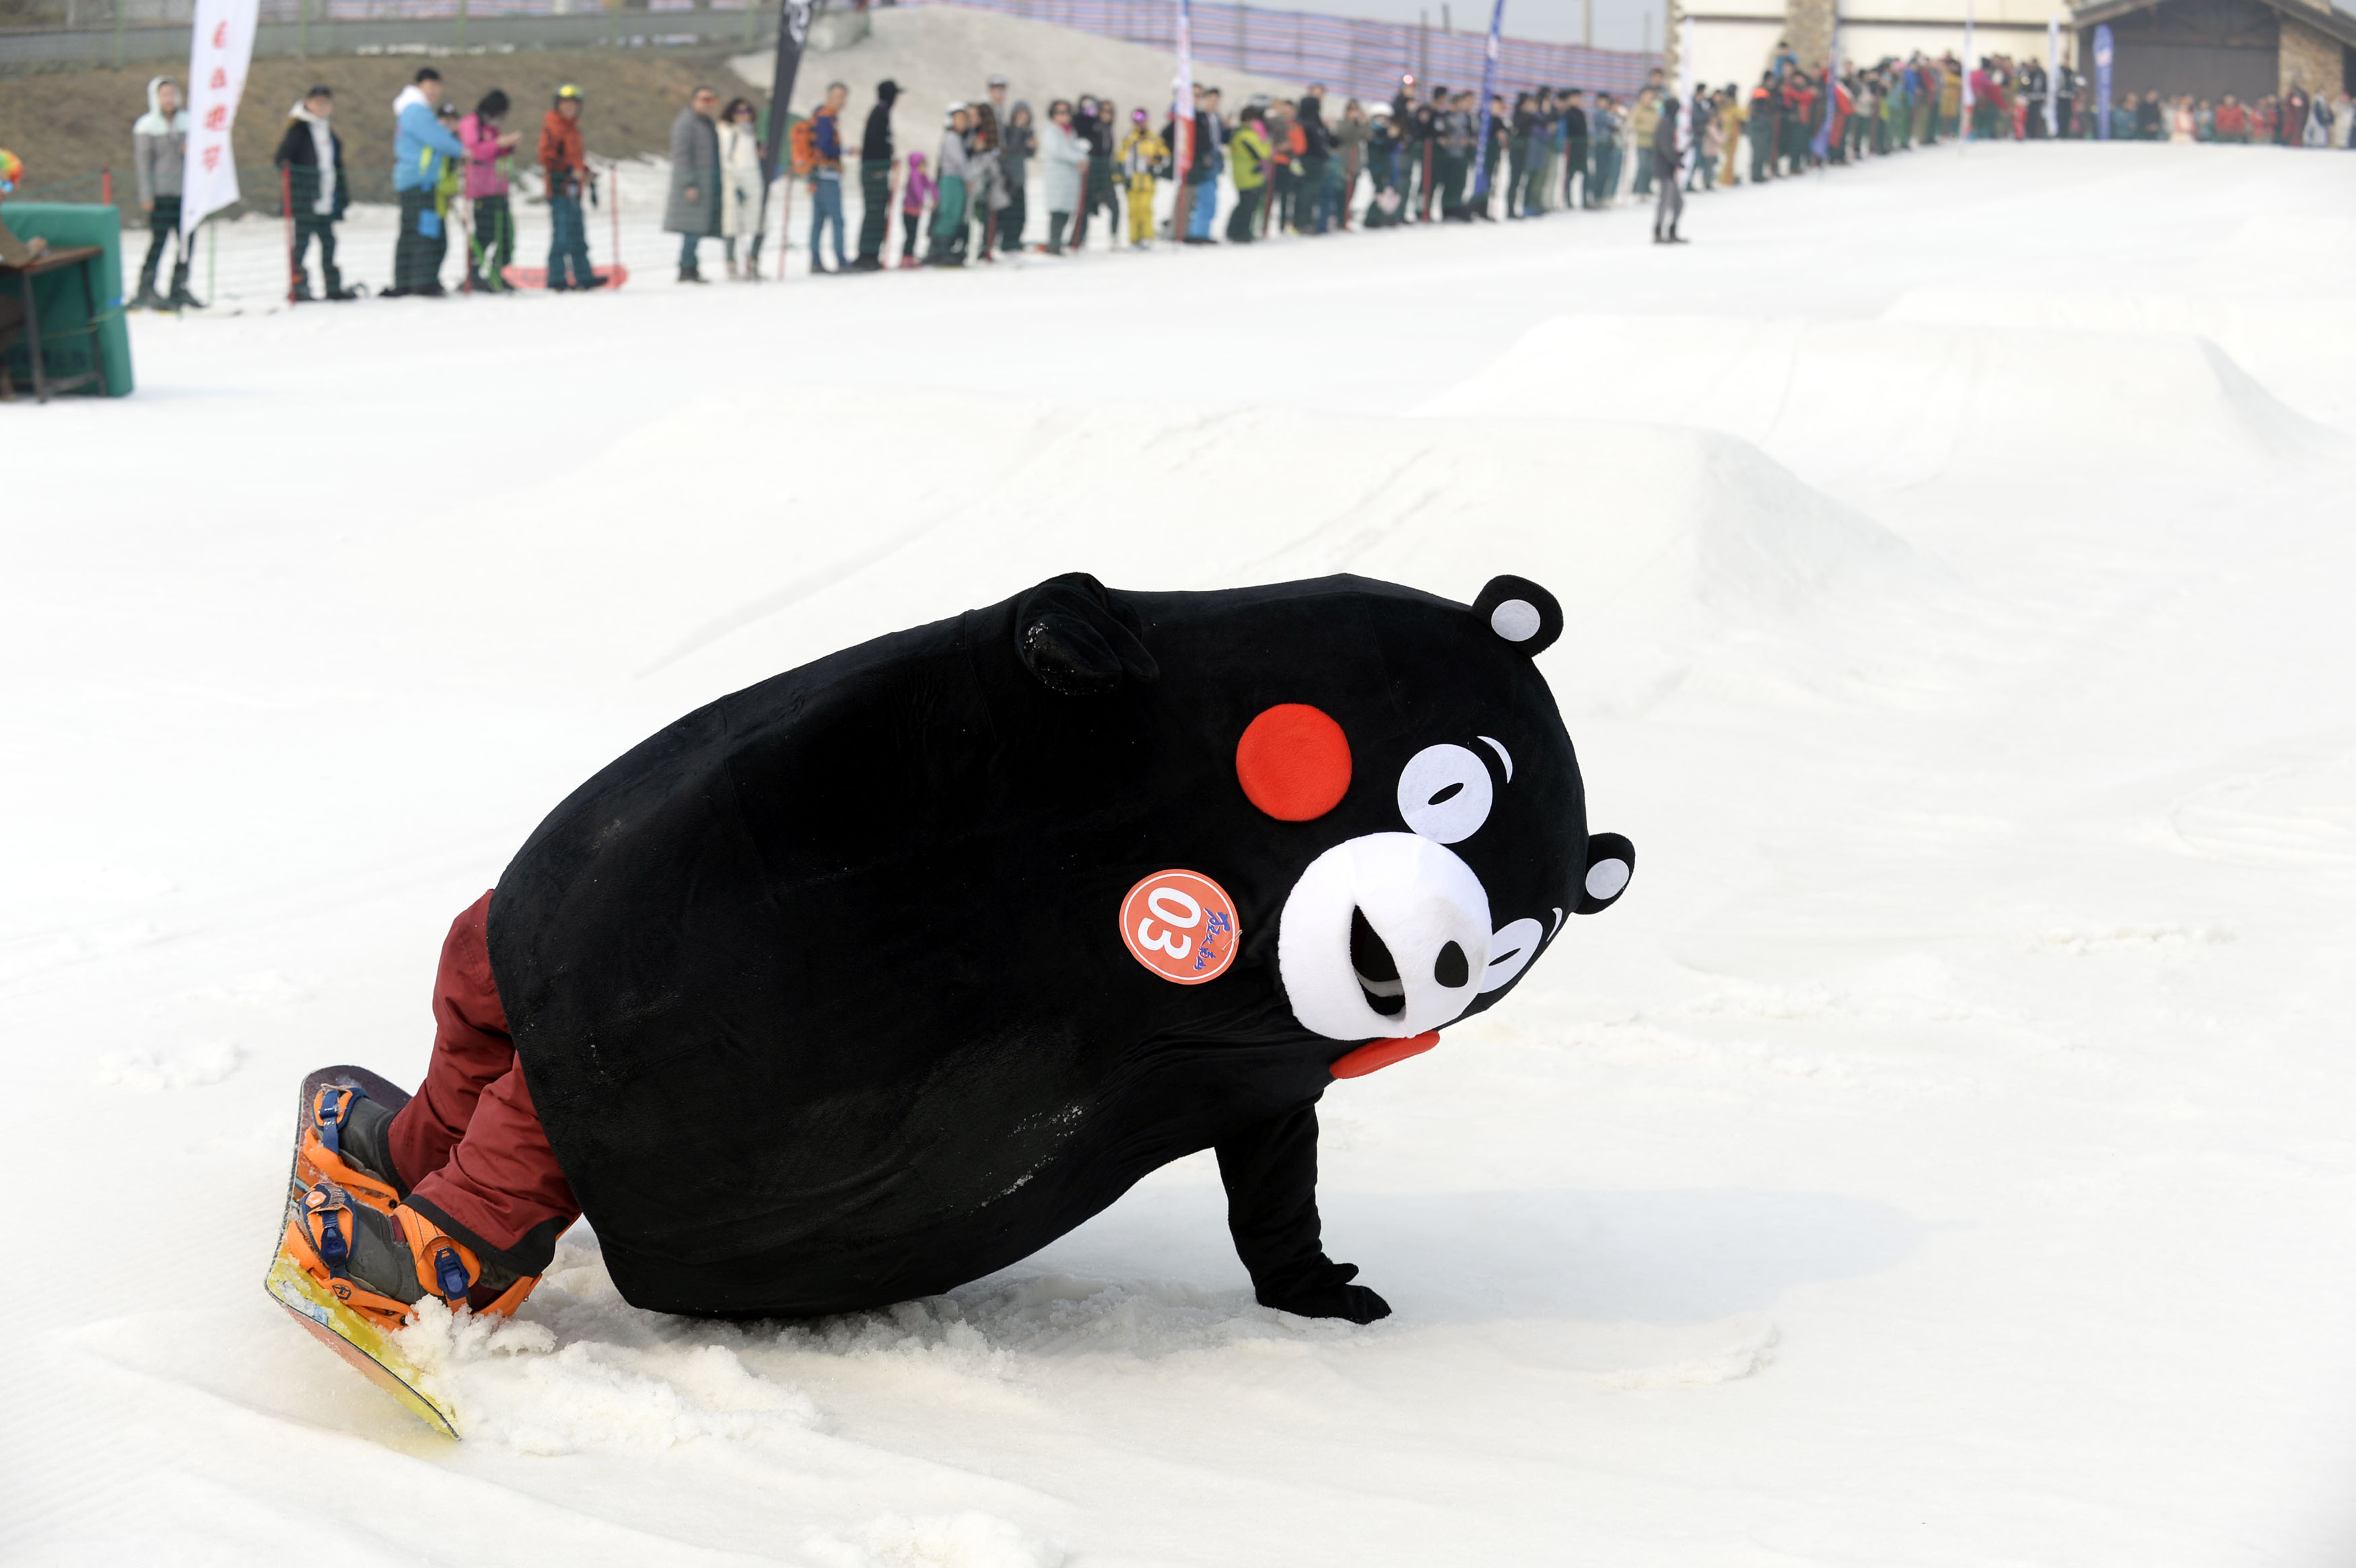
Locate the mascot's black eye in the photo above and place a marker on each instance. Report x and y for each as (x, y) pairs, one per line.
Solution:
(1444, 794)
(1452, 968)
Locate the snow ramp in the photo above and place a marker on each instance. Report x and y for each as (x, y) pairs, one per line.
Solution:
(1671, 549)
(1861, 407)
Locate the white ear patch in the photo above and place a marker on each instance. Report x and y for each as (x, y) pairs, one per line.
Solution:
(1516, 620)
(1606, 878)
(1444, 794)
(1511, 949)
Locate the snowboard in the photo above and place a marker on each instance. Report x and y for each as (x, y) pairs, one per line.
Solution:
(537, 277)
(373, 1351)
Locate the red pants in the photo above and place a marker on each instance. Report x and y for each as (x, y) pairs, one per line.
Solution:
(469, 1147)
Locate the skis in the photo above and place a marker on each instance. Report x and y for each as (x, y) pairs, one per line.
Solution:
(375, 1352)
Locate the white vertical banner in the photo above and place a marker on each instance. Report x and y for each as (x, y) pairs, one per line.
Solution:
(217, 57)
(2053, 75)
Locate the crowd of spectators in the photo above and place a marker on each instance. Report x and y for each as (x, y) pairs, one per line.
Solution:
(1007, 177)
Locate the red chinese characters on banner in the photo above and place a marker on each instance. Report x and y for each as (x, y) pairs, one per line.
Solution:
(221, 36)
(220, 81)
(216, 117)
(212, 157)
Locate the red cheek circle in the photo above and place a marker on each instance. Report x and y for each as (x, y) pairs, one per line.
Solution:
(1293, 762)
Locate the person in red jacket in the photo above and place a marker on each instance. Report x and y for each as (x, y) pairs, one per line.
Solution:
(2233, 121)
(564, 158)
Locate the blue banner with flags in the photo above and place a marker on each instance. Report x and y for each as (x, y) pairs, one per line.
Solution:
(1488, 91)
(2102, 82)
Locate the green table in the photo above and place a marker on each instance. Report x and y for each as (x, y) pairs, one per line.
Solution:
(83, 260)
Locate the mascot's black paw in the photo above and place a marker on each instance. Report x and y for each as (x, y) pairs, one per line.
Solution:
(1328, 1294)
(1077, 639)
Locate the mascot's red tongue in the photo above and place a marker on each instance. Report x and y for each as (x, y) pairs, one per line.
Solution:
(1377, 1054)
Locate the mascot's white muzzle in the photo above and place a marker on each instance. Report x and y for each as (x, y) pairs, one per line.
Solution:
(1382, 936)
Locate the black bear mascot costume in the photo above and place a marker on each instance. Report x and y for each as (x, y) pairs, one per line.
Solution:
(879, 975)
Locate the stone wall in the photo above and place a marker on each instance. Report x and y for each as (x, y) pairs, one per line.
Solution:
(2309, 58)
(1808, 25)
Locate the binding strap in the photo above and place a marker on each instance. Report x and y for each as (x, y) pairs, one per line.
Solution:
(327, 1217)
(328, 1110)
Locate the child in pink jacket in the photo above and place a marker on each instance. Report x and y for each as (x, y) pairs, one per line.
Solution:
(487, 147)
(912, 202)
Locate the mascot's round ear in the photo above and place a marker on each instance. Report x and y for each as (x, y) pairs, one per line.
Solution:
(1610, 861)
(1521, 613)
(1078, 637)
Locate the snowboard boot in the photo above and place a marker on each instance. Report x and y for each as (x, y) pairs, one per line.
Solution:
(381, 1264)
(347, 1140)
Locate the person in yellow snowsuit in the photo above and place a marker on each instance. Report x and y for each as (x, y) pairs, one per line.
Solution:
(1144, 158)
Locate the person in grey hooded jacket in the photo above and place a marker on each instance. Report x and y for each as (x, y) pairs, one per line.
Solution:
(159, 150)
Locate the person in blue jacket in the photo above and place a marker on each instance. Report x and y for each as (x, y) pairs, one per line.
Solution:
(421, 148)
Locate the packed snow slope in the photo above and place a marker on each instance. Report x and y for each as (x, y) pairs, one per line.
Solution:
(1942, 1156)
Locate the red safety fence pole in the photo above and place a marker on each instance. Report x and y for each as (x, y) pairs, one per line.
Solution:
(616, 206)
(786, 224)
(286, 205)
(106, 188)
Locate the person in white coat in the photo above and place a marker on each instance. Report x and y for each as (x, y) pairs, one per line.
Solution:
(1062, 158)
(740, 187)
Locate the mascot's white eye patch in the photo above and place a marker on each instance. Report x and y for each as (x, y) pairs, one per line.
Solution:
(1444, 794)
(1504, 755)
(1510, 952)
(1606, 878)
(1516, 620)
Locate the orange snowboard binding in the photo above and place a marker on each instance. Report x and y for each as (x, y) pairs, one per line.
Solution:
(344, 1141)
(381, 1263)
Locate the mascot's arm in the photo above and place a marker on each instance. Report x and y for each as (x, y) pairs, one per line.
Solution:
(1271, 1172)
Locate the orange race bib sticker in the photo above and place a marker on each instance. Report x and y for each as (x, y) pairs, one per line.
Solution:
(1181, 925)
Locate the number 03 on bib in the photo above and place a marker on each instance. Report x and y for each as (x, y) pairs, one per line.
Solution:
(1181, 925)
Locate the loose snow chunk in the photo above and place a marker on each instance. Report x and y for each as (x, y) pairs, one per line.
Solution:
(968, 1540)
(512, 1385)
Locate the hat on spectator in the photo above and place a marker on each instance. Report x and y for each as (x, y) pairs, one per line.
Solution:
(11, 170)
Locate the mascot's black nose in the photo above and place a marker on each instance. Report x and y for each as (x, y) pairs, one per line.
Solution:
(1378, 971)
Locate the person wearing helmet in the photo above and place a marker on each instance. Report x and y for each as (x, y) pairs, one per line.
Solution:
(1144, 158)
(14, 252)
(564, 159)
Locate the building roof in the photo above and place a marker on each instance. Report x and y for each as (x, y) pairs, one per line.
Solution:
(2328, 20)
